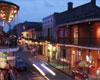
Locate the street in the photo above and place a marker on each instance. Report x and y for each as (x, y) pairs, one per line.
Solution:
(49, 40)
(32, 74)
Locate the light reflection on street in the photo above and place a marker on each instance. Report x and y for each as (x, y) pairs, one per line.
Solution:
(40, 71)
(48, 69)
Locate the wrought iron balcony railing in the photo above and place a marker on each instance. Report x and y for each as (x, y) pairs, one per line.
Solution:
(6, 42)
(80, 41)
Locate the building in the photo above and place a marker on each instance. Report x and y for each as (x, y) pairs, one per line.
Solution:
(28, 29)
(78, 37)
(77, 33)
(49, 23)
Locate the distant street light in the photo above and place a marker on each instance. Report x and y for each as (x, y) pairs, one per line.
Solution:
(49, 51)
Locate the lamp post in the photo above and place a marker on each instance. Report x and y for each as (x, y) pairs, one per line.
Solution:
(49, 51)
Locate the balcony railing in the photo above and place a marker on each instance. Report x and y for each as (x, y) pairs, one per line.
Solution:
(80, 41)
(45, 39)
(75, 41)
(6, 42)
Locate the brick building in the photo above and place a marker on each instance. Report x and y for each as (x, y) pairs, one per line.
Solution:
(28, 27)
(79, 36)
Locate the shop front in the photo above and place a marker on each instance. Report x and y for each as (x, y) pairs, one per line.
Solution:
(86, 61)
(45, 48)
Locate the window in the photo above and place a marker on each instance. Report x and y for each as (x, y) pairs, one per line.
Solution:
(61, 33)
(51, 20)
(66, 33)
(78, 55)
(64, 53)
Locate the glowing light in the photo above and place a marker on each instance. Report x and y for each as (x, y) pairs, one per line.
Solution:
(15, 11)
(39, 69)
(7, 10)
(41, 43)
(64, 60)
(3, 64)
(88, 58)
(36, 42)
(46, 78)
(49, 46)
(25, 34)
(98, 33)
(54, 48)
(26, 41)
(29, 42)
(53, 73)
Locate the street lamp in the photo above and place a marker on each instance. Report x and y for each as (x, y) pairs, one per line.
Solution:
(8, 11)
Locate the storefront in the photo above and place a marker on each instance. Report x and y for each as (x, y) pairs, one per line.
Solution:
(90, 58)
(45, 48)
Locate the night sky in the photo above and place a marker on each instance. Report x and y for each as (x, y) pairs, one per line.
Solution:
(35, 10)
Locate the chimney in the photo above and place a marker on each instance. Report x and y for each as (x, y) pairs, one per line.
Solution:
(93, 2)
(70, 5)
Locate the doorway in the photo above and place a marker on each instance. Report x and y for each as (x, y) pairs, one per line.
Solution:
(76, 35)
(73, 58)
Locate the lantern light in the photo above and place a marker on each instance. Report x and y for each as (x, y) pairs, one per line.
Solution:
(8, 11)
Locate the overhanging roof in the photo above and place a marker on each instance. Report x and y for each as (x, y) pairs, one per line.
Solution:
(80, 21)
(84, 47)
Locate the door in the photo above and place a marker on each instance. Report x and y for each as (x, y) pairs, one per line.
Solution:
(76, 35)
(73, 58)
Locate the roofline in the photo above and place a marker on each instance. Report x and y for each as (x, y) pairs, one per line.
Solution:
(50, 15)
(80, 21)
(10, 3)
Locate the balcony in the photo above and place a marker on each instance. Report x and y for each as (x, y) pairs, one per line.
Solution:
(46, 39)
(8, 44)
(92, 42)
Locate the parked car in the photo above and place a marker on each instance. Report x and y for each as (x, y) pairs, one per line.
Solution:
(21, 66)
